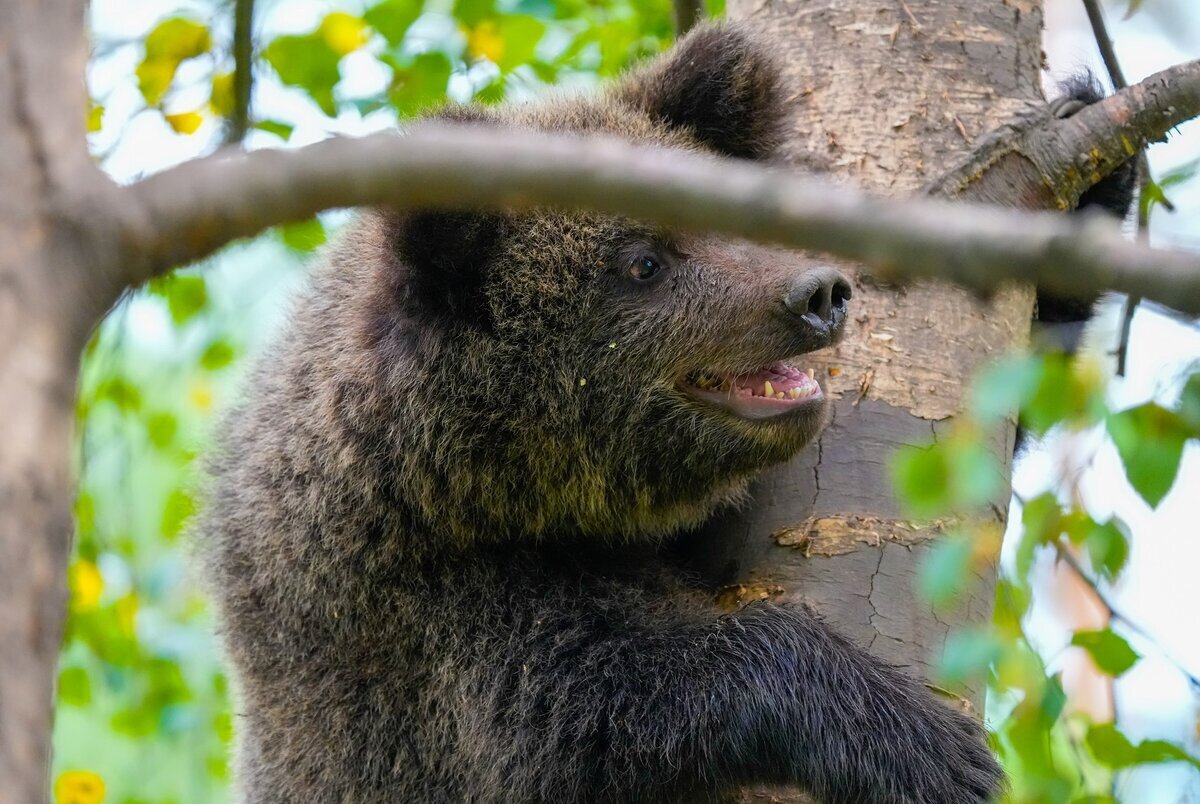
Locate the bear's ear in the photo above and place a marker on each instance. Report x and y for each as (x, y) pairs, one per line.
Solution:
(719, 83)
(446, 256)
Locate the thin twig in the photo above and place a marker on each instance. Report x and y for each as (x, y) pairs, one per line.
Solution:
(1109, 55)
(243, 70)
(1065, 556)
(1107, 52)
(1128, 310)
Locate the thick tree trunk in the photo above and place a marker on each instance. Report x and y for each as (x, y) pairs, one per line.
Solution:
(47, 304)
(886, 95)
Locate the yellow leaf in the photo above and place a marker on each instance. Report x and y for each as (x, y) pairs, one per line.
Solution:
(185, 122)
(201, 395)
(127, 608)
(172, 41)
(155, 77)
(221, 98)
(344, 33)
(87, 584)
(95, 118)
(484, 40)
(177, 39)
(79, 787)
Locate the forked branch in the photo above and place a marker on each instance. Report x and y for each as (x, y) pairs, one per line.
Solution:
(188, 212)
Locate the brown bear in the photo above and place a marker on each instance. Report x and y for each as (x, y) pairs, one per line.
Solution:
(437, 519)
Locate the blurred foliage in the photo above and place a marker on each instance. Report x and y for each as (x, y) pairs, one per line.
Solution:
(465, 50)
(143, 700)
(1052, 755)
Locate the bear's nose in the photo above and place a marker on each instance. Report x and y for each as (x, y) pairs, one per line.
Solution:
(818, 296)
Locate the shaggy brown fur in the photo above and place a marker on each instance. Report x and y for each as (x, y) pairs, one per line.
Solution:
(436, 518)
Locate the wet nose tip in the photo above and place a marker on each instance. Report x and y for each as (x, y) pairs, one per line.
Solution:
(818, 295)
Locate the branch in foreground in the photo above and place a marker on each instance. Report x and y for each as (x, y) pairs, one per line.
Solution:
(188, 212)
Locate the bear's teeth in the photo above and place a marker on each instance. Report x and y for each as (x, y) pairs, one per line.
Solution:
(794, 393)
(810, 374)
(768, 390)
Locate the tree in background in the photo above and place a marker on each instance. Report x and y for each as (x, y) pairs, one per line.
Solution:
(137, 661)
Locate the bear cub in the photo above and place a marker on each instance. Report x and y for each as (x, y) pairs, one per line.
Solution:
(437, 516)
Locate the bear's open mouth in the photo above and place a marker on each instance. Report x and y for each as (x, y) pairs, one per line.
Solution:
(770, 391)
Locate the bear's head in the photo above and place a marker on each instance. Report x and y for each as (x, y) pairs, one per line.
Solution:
(569, 374)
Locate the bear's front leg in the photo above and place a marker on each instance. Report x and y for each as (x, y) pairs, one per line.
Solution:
(622, 708)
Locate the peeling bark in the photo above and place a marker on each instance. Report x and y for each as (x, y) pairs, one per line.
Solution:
(889, 97)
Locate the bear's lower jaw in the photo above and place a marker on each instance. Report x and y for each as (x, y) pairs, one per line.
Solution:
(765, 393)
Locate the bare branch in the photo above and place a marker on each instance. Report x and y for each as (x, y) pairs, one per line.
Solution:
(1065, 555)
(1105, 43)
(1109, 54)
(187, 212)
(243, 70)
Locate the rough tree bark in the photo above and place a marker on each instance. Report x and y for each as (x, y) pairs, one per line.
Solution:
(49, 300)
(71, 242)
(888, 94)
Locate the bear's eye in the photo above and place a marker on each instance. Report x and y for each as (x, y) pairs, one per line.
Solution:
(644, 268)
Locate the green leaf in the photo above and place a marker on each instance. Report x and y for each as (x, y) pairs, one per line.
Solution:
(281, 130)
(223, 727)
(218, 355)
(1154, 193)
(956, 475)
(922, 478)
(473, 12)
(1042, 523)
(492, 92)
(1066, 392)
(520, 35)
(161, 428)
(975, 474)
(968, 654)
(1150, 442)
(1110, 652)
(1106, 542)
(304, 235)
(1108, 548)
(421, 84)
(74, 686)
(545, 71)
(1115, 750)
(179, 508)
(1004, 387)
(1151, 751)
(308, 62)
(186, 296)
(122, 393)
(946, 570)
(1189, 404)
(392, 18)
